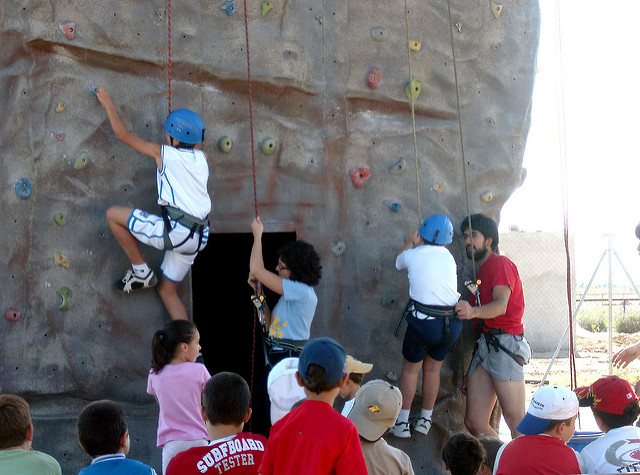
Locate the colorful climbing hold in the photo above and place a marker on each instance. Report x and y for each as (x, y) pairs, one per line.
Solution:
(337, 248)
(58, 136)
(224, 144)
(415, 45)
(266, 6)
(459, 27)
(268, 145)
(61, 260)
(81, 160)
(65, 294)
(398, 167)
(373, 78)
(359, 176)
(68, 28)
(395, 207)
(439, 187)
(229, 7)
(23, 188)
(13, 315)
(486, 196)
(496, 9)
(59, 219)
(414, 88)
(60, 107)
(379, 33)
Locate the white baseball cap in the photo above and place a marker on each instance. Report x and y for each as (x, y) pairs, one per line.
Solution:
(283, 388)
(548, 403)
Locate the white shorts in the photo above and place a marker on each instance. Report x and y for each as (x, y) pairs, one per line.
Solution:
(149, 229)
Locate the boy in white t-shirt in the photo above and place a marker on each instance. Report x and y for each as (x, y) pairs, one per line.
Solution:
(433, 326)
(183, 229)
(615, 407)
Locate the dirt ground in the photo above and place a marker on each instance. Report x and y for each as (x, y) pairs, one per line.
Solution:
(592, 361)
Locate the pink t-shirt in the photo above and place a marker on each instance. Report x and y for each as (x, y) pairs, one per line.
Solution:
(178, 389)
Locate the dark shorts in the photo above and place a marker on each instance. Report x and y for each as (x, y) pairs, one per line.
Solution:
(428, 337)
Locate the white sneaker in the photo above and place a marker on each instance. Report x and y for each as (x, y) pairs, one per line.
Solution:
(401, 430)
(132, 282)
(422, 425)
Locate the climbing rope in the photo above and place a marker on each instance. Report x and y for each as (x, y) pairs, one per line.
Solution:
(169, 50)
(253, 169)
(413, 112)
(565, 201)
(464, 161)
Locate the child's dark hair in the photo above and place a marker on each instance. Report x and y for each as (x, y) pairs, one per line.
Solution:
(302, 260)
(226, 398)
(463, 454)
(356, 377)
(100, 426)
(484, 224)
(15, 418)
(165, 342)
(317, 383)
(627, 418)
(491, 444)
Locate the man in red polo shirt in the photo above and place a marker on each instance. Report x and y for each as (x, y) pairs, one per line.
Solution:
(496, 370)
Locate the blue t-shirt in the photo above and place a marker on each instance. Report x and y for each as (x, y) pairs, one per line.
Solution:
(116, 464)
(293, 314)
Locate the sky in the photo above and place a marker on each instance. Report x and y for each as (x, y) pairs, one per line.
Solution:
(586, 67)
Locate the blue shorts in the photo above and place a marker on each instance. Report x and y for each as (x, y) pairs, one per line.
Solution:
(428, 337)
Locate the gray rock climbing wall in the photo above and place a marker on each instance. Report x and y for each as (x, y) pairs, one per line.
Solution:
(341, 174)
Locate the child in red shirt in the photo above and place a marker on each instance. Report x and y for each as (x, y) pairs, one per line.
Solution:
(313, 438)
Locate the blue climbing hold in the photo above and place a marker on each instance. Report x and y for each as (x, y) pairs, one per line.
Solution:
(23, 189)
(229, 7)
(395, 207)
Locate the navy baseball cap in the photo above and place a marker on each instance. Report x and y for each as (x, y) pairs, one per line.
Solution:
(326, 353)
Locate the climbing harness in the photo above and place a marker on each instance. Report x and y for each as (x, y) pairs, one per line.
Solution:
(441, 312)
(195, 225)
(280, 348)
(492, 340)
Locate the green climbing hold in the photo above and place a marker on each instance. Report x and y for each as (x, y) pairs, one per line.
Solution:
(266, 6)
(225, 144)
(267, 146)
(59, 219)
(413, 88)
(82, 160)
(65, 294)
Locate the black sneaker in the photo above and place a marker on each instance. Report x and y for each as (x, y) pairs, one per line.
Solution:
(131, 282)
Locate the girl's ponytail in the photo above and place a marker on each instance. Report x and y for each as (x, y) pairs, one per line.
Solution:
(165, 342)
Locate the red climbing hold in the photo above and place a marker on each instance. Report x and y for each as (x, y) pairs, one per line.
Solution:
(373, 77)
(69, 29)
(12, 315)
(359, 176)
(58, 136)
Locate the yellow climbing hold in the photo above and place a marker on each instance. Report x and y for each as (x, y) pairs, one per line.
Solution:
(486, 196)
(496, 8)
(415, 45)
(414, 88)
(61, 106)
(61, 260)
(439, 187)
(266, 6)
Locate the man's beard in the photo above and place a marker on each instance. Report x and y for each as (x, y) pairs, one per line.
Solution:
(478, 255)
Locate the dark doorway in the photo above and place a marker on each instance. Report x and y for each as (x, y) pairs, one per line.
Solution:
(224, 314)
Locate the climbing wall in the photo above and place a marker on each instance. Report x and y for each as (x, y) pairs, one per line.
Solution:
(334, 162)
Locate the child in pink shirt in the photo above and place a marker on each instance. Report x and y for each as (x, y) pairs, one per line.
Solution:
(177, 382)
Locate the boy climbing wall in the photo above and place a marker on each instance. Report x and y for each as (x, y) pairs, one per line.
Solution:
(182, 230)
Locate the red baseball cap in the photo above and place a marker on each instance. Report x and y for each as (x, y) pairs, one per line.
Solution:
(610, 394)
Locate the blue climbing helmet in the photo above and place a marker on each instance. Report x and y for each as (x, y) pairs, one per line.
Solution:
(186, 126)
(437, 229)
